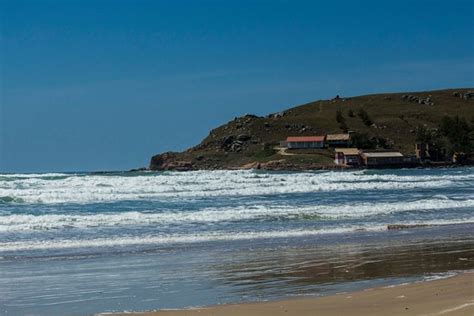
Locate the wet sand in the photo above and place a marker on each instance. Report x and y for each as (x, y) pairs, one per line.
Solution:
(450, 296)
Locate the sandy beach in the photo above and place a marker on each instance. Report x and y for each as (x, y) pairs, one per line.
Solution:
(449, 296)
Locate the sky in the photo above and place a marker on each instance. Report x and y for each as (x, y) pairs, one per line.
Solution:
(104, 85)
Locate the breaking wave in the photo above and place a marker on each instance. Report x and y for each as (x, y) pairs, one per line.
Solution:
(111, 188)
(25, 222)
(123, 241)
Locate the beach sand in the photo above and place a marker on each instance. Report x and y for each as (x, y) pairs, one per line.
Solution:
(449, 296)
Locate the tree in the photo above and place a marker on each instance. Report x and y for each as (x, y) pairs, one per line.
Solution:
(362, 141)
(339, 116)
(423, 135)
(342, 121)
(364, 116)
(458, 133)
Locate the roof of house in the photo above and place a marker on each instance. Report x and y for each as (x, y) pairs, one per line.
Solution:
(337, 137)
(348, 151)
(383, 154)
(305, 139)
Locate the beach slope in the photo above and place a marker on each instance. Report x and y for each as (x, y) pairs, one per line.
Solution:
(450, 296)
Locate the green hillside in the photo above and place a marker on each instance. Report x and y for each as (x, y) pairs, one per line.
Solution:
(390, 120)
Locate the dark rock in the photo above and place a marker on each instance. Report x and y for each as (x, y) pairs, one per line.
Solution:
(158, 161)
(169, 161)
(227, 140)
(250, 116)
(138, 169)
(243, 137)
(468, 95)
(403, 226)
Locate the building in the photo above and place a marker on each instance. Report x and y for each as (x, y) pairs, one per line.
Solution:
(347, 156)
(299, 142)
(382, 159)
(338, 140)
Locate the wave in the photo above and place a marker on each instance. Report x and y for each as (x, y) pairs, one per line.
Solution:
(28, 222)
(124, 241)
(167, 239)
(10, 199)
(202, 184)
(34, 175)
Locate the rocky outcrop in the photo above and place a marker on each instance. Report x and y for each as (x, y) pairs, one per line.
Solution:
(170, 161)
(419, 100)
(465, 96)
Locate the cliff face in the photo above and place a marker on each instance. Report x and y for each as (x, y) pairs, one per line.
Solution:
(385, 120)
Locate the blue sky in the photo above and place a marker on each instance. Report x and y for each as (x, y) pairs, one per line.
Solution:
(103, 85)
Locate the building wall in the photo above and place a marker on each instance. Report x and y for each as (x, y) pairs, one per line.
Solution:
(353, 160)
(338, 143)
(305, 144)
(348, 160)
(374, 161)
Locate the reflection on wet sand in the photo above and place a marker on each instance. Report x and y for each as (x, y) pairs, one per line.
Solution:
(313, 269)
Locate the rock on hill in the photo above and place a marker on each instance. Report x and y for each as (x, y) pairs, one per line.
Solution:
(381, 120)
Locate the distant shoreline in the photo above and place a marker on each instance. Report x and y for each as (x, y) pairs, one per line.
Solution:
(450, 296)
(301, 168)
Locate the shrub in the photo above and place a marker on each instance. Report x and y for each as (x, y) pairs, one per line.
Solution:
(362, 141)
(423, 135)
(364, 116)
(339, 117)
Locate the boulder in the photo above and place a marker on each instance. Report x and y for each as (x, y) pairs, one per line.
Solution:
(243, 137)
(227, 140)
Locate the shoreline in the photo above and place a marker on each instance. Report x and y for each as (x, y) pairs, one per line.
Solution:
(301, 168)
(452, 295)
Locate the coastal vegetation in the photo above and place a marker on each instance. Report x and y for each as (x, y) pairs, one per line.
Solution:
(453, 135)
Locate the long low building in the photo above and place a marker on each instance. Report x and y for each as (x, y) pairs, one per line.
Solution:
(378, 159)
(300, 142)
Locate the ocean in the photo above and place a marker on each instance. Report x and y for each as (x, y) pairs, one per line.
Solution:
(84, 243)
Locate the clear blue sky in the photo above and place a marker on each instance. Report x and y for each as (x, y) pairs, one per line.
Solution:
(103, 85)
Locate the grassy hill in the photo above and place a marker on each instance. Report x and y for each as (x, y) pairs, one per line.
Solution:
(389, 120)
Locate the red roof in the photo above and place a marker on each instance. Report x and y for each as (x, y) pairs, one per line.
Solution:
(305, 139)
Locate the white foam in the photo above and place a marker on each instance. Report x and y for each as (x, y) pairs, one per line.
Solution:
(121, 241)
(22, 222)
(35, 175)
(199, 184)
(167, 239)
(439, 276)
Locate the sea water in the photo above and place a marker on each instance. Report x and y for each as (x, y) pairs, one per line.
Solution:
(83, 243)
